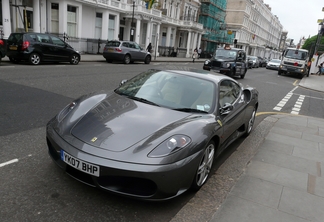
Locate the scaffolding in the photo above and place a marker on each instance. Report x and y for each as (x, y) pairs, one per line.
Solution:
(212, 16)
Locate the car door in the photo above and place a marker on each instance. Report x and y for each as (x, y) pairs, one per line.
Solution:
(45, 47)
(141, 53)
(62, 51)
(240, 65)
(231, 112)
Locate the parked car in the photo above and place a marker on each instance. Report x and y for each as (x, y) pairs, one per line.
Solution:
(155, 136)
(228, 61)
(250, 62)
(36, 48)
(126, 51)
(255, 61)
(262, 62)
(2, 49)
(273, 64)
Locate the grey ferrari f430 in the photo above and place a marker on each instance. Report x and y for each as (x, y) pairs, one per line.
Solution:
(155, 136)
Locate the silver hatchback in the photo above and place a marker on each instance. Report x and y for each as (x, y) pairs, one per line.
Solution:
(125, 51)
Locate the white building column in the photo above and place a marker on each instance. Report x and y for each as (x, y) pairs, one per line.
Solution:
(43, 17)
(105, 22)
(167, 43)
(188, 54)
(194, 43)
(63, 17)
(138, 30)
(149, 34)
(36, 16)
(6, 19)
(158, 40)
(199, 40)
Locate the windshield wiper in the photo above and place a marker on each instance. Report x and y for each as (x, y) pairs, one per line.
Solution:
(143, 100)
(190, 110)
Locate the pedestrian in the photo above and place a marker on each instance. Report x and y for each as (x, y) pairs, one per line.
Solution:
(149, 48)
(199, 52)
(309, 63)
(194, 55)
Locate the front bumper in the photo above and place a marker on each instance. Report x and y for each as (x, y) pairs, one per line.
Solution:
(147, 182)
(291, 69)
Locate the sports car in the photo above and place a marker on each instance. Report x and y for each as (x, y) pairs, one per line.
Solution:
(155, 136)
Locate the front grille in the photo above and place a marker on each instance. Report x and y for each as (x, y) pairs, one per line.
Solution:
(77, 174)
(216, 64)
(128, 185)
(292, 64)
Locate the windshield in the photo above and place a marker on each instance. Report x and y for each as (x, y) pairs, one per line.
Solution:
(296, 54)
(223, 53)
(172, 90)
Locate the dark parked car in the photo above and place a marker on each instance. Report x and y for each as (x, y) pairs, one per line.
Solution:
(125, 51)
(262, 62)
(39, 47)
(229, 61)
(254, 61)
(2, 49)
(155, 136)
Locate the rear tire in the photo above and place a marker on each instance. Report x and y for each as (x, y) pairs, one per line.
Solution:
(204, 167)
(34, 59)
(127, 59)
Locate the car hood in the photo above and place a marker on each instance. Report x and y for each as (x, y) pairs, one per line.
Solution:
(117, 123)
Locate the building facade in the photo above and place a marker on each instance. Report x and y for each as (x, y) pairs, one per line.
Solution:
(171, 26)
(256, 29)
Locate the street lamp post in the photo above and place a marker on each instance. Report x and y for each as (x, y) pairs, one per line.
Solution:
(132, 29)
(319, 37)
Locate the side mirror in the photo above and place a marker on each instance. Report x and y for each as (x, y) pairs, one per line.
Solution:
(123, 82)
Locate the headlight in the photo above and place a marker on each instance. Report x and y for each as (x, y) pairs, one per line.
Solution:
(171, 145)
(226, 65)
(66, 111)
(207, 62)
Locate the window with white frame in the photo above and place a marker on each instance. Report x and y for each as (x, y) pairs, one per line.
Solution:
(98, 25)
(55, 18)
(111, 27)
(72, 21)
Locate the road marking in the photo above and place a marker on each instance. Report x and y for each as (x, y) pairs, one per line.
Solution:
(283, 102)
(298, 105)
(8, 162)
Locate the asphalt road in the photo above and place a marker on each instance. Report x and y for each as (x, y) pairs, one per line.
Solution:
(32, 187)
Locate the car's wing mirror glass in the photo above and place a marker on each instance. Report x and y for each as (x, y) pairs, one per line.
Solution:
(122, 82)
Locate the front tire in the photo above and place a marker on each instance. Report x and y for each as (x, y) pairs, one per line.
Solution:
(147, 60)
(34, 59)
(75, 59)
(204, 167)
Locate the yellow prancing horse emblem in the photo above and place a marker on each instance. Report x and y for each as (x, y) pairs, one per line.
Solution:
(94, 139)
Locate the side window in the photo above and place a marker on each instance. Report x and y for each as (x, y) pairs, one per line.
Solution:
(57, 41)
(43, 38)
(125, 44)
(131, 45)
(33, 37)
(228, 93)
(136, 46)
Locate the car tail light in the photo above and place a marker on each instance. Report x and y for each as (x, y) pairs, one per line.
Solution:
(1, 42)
(25, 45)
(118, 49)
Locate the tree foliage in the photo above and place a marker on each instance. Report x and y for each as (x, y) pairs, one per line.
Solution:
(310, 44)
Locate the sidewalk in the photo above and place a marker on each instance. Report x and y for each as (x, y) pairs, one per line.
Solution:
(283, 181)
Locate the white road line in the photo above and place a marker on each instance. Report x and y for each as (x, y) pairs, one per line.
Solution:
(298, 104)
(8, 162)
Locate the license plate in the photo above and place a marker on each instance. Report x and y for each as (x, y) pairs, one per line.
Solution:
(110, 50)
(79, 164)
(13, 47)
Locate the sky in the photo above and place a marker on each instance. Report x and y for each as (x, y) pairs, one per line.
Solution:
(298, 17)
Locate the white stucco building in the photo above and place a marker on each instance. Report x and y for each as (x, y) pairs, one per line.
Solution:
(170, 25)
